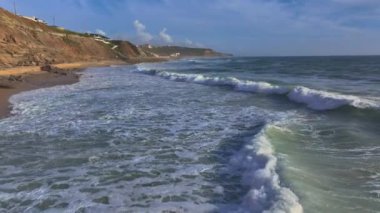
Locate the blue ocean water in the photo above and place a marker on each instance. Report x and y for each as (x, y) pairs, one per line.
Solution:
(296, 134)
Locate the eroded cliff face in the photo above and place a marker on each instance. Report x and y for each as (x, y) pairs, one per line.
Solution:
(24, 42)
(128, 49)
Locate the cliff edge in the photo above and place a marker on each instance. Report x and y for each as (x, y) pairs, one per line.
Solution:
(28, 41)
(25, 42)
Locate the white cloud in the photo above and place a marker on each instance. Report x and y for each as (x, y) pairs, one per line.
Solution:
(100, 32)
(140, 27)
(165, 36)
(142, 34)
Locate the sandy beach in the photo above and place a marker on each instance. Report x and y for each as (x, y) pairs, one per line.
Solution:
(19, 79)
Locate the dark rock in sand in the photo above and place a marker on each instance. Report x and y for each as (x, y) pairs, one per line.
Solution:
(16, 78)
(2, 86)
(52, 69)
(47, 68)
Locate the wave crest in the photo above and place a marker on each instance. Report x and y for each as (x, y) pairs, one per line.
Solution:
(260, 87)
(237, 84)
(314, 99)
(258, 162)
(322, 100)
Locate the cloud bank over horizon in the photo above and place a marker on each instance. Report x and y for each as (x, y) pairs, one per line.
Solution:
(242, 27)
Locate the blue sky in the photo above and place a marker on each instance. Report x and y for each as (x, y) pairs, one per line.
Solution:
(241, 27)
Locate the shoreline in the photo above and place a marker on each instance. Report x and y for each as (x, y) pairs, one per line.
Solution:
(20, 79)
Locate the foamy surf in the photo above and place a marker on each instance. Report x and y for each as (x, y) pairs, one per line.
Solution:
(314, 99)
(153, 143)
(259, 163)
(237, 84)
(322, 100)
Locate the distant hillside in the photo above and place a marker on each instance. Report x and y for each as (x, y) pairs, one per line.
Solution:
(25, 42)
(177, 51)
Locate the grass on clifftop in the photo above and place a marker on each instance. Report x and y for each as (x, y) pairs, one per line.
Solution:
(69, 32)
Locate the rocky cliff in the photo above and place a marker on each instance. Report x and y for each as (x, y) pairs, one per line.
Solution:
(24, 42)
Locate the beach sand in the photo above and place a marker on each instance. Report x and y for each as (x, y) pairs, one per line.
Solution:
(19, 79)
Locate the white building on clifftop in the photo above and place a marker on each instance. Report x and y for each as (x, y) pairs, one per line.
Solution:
(35, 19)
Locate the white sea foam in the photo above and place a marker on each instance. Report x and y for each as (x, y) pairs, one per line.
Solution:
(322, 100)
(314, 99)
(260, 87)
(237, 84)
(258, 162)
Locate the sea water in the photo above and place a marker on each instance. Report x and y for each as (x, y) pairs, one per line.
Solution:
(297, 134)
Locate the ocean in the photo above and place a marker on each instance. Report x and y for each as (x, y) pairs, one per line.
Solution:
(236, 134)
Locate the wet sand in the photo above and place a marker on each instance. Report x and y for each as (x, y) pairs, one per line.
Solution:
(30, 82)
(19, 79)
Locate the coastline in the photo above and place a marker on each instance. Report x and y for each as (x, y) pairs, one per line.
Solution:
(20, 79)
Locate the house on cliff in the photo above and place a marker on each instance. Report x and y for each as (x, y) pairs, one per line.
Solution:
(35, 19)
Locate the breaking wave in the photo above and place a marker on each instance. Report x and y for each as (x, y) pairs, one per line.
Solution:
(322, 100)
(258, 163)
(237, 84)
(314, 99)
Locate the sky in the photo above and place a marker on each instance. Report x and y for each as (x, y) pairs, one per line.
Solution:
(240, 27)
